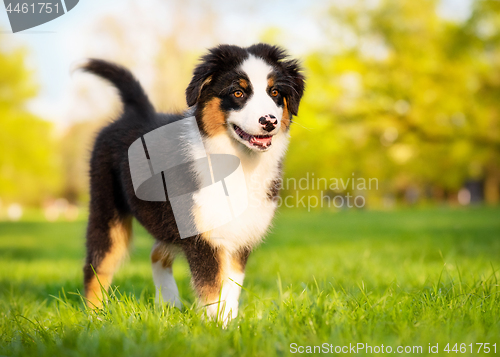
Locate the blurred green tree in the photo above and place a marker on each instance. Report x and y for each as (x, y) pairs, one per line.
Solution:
(404, 96)
(29, 164)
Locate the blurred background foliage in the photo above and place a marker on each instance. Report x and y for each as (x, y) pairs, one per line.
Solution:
(29, 153)
(397, 93)
(413, 100)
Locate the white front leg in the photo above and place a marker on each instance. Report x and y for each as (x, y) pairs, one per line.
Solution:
(227, 307)
(166, 288)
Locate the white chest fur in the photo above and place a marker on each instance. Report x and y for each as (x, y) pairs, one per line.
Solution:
(260, 169)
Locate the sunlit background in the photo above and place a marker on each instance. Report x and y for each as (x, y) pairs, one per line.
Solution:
(403, 93)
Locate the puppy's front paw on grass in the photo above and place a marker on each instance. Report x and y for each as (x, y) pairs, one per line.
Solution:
(222, 312)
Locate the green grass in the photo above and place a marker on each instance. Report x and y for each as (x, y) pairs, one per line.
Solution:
(409, 278)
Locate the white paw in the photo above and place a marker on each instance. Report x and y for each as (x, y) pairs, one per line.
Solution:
(166, 288)
(222, 311)
(168, 298)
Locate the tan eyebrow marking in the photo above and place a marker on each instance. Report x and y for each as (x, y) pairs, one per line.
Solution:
(243, 83)
(270, 82)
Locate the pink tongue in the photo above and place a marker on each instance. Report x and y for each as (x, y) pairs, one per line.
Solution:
(261, 141)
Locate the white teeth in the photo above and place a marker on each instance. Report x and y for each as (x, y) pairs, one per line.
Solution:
(252, 139)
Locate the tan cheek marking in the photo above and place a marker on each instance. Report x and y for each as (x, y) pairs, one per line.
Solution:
(120, 232)
(285, 119)
(213, 118)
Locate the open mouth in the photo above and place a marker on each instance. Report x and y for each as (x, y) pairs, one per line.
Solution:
(261, 142)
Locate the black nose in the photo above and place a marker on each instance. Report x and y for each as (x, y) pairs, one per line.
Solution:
(268, 122)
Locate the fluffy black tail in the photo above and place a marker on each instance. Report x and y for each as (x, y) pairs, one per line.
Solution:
(130, 90)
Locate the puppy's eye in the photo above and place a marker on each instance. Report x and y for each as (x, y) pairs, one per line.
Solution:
(238, 94)
(274, 92)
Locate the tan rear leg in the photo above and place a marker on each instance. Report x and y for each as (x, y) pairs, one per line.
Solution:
(105, 263)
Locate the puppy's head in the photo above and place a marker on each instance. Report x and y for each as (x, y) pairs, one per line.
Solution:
(249, 93)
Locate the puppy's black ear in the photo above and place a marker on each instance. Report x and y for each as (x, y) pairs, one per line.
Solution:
(221, 58)
(201, 77)
(296, 80)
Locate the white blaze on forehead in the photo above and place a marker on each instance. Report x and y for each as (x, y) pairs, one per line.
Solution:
(260, 103)
(257, 71)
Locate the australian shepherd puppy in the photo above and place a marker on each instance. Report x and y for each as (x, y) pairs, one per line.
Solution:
(243, 100)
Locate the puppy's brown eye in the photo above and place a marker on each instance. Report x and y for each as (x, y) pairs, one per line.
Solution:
(274, 93)
(238, 94)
